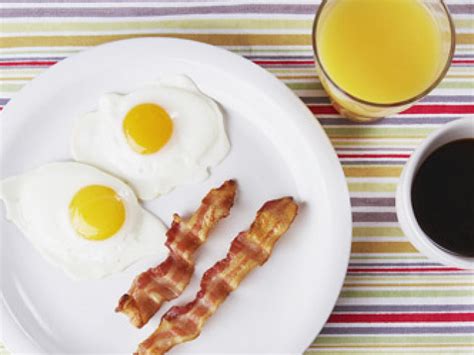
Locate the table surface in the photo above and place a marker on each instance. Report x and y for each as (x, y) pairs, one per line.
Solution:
(394, 299)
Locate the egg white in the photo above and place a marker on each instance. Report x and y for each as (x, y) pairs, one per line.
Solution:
(199, 140)
(38, 203)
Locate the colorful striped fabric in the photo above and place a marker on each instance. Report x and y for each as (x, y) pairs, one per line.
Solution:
(394, 299)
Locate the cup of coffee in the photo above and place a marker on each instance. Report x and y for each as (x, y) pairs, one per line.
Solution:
(435, 195)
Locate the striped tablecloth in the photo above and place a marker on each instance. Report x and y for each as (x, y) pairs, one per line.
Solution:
(393, 299)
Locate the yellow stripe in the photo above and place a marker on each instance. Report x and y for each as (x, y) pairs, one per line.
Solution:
(383, 247)
(214, 39)
(465, 38)
(463, 76)
(376, 171)
(16, 79)
(377, 231)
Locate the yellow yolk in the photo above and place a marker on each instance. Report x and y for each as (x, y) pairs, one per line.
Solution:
(148, 127)
(96, 212)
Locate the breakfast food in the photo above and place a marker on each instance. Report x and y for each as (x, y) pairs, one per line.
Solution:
(157, 137)
(248, 250)
(83, 220)
(168, 280)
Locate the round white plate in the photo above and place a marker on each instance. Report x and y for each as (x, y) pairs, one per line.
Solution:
(278, 148)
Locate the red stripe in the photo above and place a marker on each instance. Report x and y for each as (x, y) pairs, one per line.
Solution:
(415, 269)
(290, 62)
(310, 62)
(401, 317)
(462, 61)
(418, 109)
(283, 62)
(373, 155)
(27, 63)
(440, 109)
(322, 109)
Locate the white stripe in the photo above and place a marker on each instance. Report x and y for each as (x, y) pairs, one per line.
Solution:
(41, 4)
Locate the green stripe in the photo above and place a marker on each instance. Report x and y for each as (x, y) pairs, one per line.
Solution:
(379, 131)
(464, 23)
(465, 49)
(367, 143)
(10, 87)
(312, 85)
(456, 85)
(372, 186)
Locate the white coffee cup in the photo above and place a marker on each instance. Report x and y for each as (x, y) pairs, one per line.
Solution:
(459, 129)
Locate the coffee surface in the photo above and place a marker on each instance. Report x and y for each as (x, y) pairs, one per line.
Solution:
(443, 196)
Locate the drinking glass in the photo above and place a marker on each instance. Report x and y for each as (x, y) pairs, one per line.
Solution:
(360, 110)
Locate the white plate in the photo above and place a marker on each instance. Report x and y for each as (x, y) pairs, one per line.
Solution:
(278, 148)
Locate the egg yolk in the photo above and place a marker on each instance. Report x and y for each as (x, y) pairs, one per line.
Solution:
(96, 212)
(147, 127)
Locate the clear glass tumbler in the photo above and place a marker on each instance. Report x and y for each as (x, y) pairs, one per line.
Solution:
(362, 110)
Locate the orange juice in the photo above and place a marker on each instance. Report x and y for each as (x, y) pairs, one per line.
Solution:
(380, 51)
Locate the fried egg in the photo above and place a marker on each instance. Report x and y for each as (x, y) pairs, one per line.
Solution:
(157, 137)
(81, 219)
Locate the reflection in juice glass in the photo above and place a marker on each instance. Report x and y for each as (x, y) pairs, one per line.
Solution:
(376, 58)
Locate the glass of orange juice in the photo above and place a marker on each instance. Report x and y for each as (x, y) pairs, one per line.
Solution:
(376, 58)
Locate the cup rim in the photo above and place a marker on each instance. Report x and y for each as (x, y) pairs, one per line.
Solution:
(409, 101)
(404, 207)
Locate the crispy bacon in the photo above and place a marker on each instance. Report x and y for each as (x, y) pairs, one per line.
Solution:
(167, 281)
(248, 250)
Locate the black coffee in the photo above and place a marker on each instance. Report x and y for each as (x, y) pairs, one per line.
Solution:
(443, 196)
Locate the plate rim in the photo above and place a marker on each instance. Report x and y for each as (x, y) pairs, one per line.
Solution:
(17, 337)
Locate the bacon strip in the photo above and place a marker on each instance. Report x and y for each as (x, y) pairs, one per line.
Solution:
(248, 250)
(167, 281)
